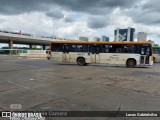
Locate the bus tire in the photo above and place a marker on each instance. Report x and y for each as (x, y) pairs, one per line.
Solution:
(131, 63)
(81, 61)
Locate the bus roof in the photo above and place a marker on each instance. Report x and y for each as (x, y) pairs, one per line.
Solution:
(84, 42)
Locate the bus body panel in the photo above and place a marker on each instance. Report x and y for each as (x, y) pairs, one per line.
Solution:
(56, 56)
(106, 58)
(74, 56)
(116, 58)
(107, 53)
(65, 57)
(87, 57)
(95, 58)
(151, 60)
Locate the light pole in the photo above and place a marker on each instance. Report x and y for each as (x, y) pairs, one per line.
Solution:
(77, 35)
(53, 30)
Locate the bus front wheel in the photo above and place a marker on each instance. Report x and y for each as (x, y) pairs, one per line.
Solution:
(81, 61)
(131, 63)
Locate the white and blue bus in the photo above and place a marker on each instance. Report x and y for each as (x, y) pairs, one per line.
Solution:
(156, 53)
(130, 54)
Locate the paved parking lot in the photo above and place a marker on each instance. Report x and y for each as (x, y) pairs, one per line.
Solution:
(43, 85)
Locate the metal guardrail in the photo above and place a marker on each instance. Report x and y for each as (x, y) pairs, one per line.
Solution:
(28, 36)
(24, 36)
(18, 51)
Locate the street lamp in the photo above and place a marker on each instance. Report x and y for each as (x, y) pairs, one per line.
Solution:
(77, 35)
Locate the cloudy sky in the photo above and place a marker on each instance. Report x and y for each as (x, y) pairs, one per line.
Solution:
(72, 18)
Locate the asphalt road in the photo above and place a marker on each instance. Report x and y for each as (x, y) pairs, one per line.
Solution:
(43, 85)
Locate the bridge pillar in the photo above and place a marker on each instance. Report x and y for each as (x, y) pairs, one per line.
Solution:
(10, 44)
(44, 47)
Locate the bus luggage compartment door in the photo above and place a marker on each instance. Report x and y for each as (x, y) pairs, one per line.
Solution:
(95, 58)
(65, 54)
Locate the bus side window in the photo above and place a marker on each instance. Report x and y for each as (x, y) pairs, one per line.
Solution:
(142, 51)
(117, 50)
(56, 47)
(65, 48)
(148, 51)
(110, 48)
(92, 49)
(73, 48)
(130, 49)
(79, 48)
(105, 48)
(97, 49)
(85, 48)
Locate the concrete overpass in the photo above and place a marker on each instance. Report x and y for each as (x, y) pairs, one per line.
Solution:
(27, 39)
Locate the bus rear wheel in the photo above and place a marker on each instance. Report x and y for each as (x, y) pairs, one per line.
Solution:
(81, 61)
(131, 63)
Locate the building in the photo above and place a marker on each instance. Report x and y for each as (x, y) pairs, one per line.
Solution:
(96, 39)
(142, 36)
(83, 38)
(152, 42)
(124, 34)
(105, 39)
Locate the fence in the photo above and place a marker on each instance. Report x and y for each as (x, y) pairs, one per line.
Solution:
(25, 53)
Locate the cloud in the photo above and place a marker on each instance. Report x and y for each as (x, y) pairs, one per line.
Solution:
(144, 17)
(94, 6)
(14, 7)
(2, 20)
(68, 19)
(77, 29)
(148, 18)
(146, 13)
(56, 14)
(88, 6)
(151, 5)
(97, 22)
(37, 25)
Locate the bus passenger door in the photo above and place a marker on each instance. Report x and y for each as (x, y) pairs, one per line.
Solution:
(65, 54)
(145, 53)
(56, 53)
(95, 50)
